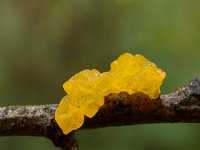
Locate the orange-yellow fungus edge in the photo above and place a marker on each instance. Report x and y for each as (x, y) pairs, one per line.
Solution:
(86, 90)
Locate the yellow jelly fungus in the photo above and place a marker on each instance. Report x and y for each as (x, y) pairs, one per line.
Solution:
(86, 90)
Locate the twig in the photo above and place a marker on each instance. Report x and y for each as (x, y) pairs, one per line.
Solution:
(183, 105)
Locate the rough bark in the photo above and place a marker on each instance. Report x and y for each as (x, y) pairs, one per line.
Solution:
(183, 105)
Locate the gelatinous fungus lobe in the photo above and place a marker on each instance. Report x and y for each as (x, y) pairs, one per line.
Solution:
(68, 117)
(134, 73)
(84, 98)
(86, 90)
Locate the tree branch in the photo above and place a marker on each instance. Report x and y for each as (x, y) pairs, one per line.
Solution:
(183, 105)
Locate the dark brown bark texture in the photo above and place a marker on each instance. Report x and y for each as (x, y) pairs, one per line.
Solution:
(183, 105)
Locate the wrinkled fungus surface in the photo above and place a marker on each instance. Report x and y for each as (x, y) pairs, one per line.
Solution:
(86, 90)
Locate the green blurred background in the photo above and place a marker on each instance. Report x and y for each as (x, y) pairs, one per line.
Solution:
(44, 42)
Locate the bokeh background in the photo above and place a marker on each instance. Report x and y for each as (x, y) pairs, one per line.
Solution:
(44, 42)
